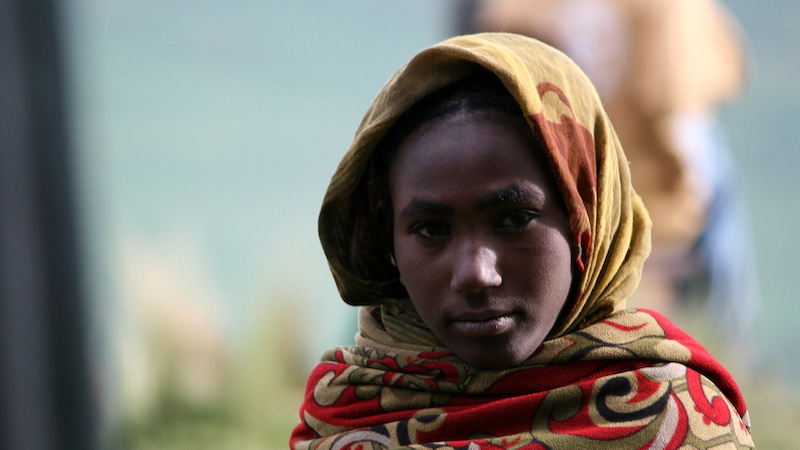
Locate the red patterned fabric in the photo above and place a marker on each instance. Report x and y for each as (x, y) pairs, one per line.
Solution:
(633, 381)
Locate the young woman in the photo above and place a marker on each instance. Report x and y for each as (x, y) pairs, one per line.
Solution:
(484, 220)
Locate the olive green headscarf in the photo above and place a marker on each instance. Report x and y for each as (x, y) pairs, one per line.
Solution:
(609, 225)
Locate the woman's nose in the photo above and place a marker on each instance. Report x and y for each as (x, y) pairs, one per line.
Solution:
(475, 270)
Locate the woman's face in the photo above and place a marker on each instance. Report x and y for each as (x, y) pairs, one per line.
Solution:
(481, 236)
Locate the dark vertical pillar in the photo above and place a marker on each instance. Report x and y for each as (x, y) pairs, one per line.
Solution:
(45, 396)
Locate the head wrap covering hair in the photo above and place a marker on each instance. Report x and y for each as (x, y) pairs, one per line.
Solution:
(627, 379)
(609, 225)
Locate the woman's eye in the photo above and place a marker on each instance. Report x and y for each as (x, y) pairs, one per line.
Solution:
(431, 230)
(515, 220)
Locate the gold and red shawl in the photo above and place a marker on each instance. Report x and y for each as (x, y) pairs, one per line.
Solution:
(631, 381)
(605, 377)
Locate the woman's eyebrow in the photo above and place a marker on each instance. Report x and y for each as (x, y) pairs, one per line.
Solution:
(420, 207)
(514, 194)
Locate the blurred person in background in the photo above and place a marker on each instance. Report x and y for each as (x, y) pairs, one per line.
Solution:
(662, 68)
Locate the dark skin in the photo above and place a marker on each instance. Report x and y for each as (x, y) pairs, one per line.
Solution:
(481, 236)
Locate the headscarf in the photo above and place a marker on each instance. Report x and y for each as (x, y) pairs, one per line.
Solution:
(609, 225)
(605, 377)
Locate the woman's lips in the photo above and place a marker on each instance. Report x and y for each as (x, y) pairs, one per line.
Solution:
(486, 327)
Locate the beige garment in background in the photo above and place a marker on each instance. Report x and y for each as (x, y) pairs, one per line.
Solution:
(654, 62)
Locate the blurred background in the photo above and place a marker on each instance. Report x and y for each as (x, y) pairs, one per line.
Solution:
(200, 137)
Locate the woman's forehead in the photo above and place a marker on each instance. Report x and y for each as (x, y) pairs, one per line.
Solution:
(471, 154)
